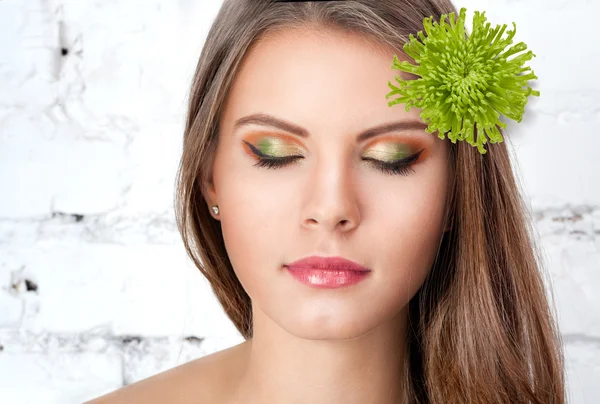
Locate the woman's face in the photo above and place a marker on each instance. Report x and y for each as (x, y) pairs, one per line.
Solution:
(334, 199)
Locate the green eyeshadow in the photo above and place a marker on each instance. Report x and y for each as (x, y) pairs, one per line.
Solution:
(389, 152)
(276, 147)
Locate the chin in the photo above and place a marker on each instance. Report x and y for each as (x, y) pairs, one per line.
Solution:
(330, 324)
(330, 334)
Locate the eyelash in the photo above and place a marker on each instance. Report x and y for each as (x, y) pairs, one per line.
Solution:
(400, 167)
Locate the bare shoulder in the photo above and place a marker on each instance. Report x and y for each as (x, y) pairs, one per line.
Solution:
(204, 380)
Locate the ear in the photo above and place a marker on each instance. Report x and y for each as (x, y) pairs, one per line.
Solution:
(209, 193)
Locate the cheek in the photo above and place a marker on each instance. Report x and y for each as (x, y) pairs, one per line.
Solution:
(253, 227)
(410, 230)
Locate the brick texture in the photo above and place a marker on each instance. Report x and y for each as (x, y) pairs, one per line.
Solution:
(96, 291)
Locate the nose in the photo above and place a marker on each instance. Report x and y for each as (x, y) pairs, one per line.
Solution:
(331, 199)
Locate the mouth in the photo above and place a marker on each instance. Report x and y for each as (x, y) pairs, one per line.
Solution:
(333, 263)
(327, 272)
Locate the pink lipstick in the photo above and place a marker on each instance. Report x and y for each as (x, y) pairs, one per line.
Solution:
(327, 272)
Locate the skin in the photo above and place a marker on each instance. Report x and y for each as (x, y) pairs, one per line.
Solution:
(347, 344)
(318, 345)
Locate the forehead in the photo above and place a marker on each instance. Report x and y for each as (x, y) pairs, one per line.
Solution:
(324, 78)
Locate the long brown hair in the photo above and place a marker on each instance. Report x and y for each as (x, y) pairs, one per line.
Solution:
(481, 329)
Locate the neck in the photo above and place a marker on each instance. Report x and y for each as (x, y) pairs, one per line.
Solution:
(284, 368)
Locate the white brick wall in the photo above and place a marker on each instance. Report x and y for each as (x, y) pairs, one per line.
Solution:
(95, 288)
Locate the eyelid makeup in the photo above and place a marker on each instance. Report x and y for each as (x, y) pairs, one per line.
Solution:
(386, 149)
(268, 145)
(392, 148)
(389, 152)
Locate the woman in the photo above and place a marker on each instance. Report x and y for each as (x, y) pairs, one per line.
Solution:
(294, 165)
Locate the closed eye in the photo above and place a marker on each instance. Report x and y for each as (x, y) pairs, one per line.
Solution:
(398, 167)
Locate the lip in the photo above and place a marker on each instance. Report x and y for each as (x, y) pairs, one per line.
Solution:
(327, 272)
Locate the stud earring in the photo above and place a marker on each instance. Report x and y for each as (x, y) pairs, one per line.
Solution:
(215, 210)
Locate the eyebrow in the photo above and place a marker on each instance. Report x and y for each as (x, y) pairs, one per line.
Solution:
(269, 120)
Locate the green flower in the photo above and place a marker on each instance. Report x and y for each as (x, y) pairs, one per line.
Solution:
(465, 80)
